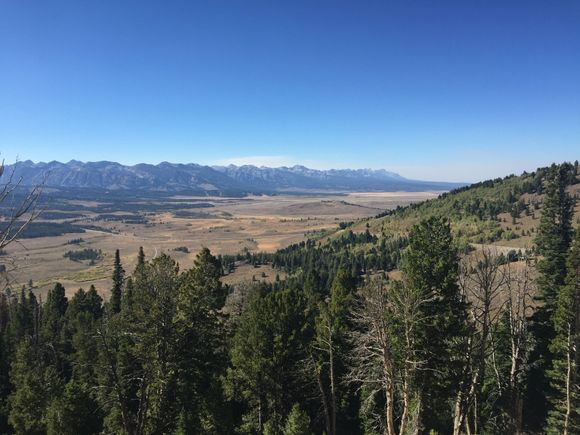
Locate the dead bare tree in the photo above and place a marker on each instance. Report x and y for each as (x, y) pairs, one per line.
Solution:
(19, 206)
(520, 290)
(326, 345)
(387, 366)
(17, 211)
(407, 304)
(372, 358)
(481, 280)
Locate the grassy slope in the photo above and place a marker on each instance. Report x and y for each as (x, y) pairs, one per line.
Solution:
(481, 213)
(505, 212)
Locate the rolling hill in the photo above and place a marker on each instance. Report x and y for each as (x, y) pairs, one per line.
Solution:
(504, 212)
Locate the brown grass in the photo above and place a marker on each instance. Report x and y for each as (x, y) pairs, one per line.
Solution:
(259, 223)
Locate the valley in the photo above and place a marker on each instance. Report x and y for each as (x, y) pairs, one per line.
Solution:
(178, 225)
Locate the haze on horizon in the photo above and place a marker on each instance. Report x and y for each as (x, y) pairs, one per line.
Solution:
(448, 91)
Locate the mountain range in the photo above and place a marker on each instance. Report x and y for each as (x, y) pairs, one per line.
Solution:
(213, 180)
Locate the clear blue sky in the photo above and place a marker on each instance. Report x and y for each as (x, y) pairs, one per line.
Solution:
(448, 90)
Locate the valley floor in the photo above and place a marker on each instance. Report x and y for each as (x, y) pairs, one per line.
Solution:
(229, 226)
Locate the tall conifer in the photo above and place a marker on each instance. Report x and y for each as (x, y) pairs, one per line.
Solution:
(553, 241)
(116, 291)
(564, 416)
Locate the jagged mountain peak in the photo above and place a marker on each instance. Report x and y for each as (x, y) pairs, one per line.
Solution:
(223, 180)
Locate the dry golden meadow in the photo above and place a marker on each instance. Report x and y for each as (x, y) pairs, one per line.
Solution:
(231, 226)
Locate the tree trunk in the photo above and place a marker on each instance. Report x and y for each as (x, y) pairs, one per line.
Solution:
(260, 415)
(324, 403)
(458, 415)
(332, 385)
(568, 381)
(390, 421)
(406, 404)
(519, 412)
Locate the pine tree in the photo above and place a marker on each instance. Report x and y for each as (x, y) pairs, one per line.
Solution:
(564, 417)
(139, 355)
(297, 422)
(55, 306)
(83, 314)
(265, 354)
(52, 329)
(116, 291)
(74, 412)
(5, 355)
(554, 235)
(127, 299)
(94, 302)
(49, 348)
(205, 277)
(200, 340)
(430, 267)
(141, 257)
(553, 241)
(35, 384)
(330, 349)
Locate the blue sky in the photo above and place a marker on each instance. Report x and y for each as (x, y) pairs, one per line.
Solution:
(444, 90)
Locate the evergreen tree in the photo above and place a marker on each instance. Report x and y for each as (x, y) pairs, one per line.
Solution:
(554, 235)
(330, 350)
(117, 290)
(127, 299)
(53, 332)
(265, 354)
(75, 412)
(553, 241)
(297, 422)
(200, 340)
(138, 355)
(54, 308)
(205, 276)
(93, 303)
(564, 417)
(430, 268)
(140, 257)
(35, 384)
(5, 355)
(23, 314)
(82, 316)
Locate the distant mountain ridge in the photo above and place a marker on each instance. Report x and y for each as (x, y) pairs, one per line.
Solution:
(213, 180)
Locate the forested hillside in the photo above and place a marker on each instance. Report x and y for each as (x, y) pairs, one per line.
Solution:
(502, 209)
(410, 322)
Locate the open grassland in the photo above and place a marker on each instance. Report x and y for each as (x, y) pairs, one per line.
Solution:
(169, 224)
(508, 230)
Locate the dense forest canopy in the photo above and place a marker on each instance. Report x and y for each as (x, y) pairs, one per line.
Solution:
(393, 325)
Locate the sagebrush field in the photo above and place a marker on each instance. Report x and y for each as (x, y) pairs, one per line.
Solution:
(172, 223)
